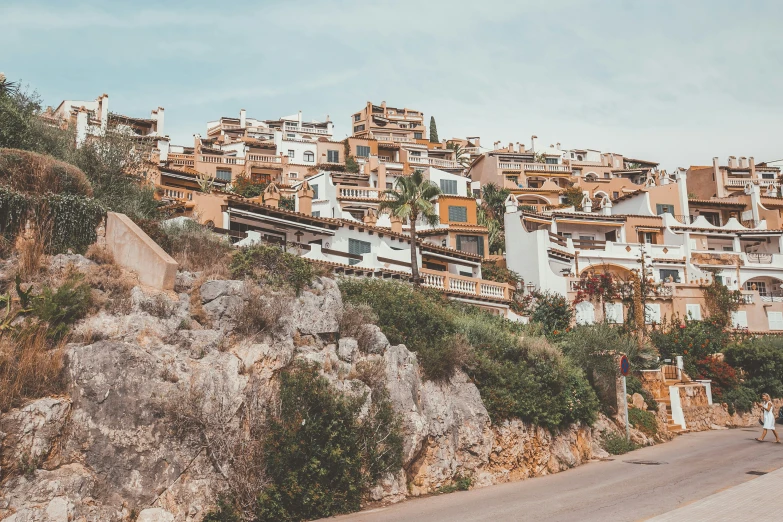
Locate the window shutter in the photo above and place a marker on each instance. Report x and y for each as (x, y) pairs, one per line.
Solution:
(693, 311)
(585, 313)
(613, 312)
(739, 319)
(652, 313)
(775, 320)
(448, 186)
(315, 191)
(458, 214)
(358, 247)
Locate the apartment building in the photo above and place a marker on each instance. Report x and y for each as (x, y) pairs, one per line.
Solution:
(656, 231)
(731, 179)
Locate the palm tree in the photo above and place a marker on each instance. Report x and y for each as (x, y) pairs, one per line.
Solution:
(460, 155)
(411, 200)
(7, 88)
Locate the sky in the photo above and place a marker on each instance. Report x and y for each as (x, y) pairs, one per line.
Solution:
(672, 81)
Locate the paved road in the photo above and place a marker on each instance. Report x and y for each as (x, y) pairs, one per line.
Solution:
(692, 466)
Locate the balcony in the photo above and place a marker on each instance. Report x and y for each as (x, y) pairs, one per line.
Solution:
(177, 194)
(307, 130)
(465, 286)
(546, 167)
(181, 160)
(760, 259)
(472, 151)
(222, 160)
(435, 162)
(734, 182)
(263, 158)
(360, 193)
(396, 139)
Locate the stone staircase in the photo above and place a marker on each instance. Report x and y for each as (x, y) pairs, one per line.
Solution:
(670, 424)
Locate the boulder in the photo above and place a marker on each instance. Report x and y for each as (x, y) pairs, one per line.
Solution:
(375, 339)
(31, 431)
(348, 349)
(155, 515)
(318, 312)
(638, 401)
(212, 290)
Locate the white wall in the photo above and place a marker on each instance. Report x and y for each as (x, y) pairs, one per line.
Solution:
(435, 175)
(526, 254)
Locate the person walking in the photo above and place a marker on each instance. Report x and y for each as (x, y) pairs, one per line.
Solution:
(768, 418)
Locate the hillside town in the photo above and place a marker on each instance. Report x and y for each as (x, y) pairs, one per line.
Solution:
(567, 215)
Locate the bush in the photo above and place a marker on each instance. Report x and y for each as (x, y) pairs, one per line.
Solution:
(723, 376)
(320, 457)
(616, 444)
(39, 174)
(353, 322)
(62, 307)
(272, 266)
(416, 318)
(643, 421)
(196, 248)
(761, 361)
(694, 340)
(261, 311)
(553, 312)
(740, 399)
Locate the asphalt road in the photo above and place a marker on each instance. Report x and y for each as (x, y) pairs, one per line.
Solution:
(689, 468)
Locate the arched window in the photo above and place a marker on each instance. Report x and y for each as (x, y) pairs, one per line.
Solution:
(590, 176)
(309, 156)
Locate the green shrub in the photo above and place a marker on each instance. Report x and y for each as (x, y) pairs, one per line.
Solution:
(643, 421)
(693, 340)
(62, 307)
(616, 444)
(418, 319)
(460, 483)
(740, 399)
(761, 361)
(271, 265)
(196, 247)
(320, 457)
(73, 221)
(553, 311)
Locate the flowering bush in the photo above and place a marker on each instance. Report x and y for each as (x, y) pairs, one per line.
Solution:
(597, 286)
(723, 375)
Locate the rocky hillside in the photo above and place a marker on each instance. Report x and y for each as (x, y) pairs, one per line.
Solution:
(107, 450)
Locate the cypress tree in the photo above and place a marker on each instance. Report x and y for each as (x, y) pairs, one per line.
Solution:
(433, 131)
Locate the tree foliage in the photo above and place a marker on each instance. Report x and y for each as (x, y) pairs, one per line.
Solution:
(433, 131)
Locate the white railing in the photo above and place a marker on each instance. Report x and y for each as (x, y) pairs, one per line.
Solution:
(178, 194)
(547, 167)
(746, 297)
(465, 285)
(432, 280)
(306, 130)
(492, 290)
(510, 166)
(264, 158)
(358, 192)
(399, 139)
(224, 160)
(766, 182)
(736, 182)
(435, 162)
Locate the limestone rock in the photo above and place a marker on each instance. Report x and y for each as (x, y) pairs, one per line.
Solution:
(32, 430)
(78, 261)
(318, 312)
(155, 515)
(638, 401)
(377, 341)
(211, 290)
(348, 349)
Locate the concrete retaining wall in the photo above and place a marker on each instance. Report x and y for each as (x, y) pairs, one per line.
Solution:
(133, 249)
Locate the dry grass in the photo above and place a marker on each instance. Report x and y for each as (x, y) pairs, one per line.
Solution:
(197, 249)
(99, 254)
(31, 246)
(112, 286)
(371, 372)
(29, 367)
(352, 323)
(34, 173)
(261, 311)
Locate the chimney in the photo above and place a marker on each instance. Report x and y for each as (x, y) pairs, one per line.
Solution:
(733, 162)
(558, 145)
(157, 115)
(383, 104)
(242, 117)
(510, 147)
(103, 109)
(299, 118)
(519, 147)
(272, 195)
(752, 165)
(304, 198)
(533, 142)
(396, 224)
(587, 202)
(496, 145)
(743, 162)
(606, 206)
(370, 218)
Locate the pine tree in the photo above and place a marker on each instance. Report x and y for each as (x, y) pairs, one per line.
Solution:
(433, 131)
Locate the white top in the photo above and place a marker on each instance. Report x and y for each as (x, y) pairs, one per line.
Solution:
(769, 417)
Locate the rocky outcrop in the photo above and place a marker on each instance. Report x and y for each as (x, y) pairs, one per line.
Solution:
(108, 451)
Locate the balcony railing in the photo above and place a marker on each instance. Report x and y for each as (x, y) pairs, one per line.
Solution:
(473, 151)
(510, 166)
(736, 182)
(467, 286)
(358, 193)
(762, 259)
(264, 158)
(182, 160)
(435, 162)
(745, 297)
(183, 195)
(223, 160)
(547, 167)
(398, 139)
(306, 130)
(589, 244)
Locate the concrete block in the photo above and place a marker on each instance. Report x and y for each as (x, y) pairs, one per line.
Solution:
(135, 250)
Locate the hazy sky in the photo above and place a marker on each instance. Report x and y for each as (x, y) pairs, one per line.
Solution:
(673, 81)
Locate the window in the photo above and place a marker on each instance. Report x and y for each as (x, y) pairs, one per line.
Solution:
(615, 195)
(363, 151)
(315, 191)
(316, 213)
(357, 117)
(458, 214)
(728, 249)
(550, 161)
(664, 209)
(647, 237)
(290, 136)
(613, 312)
(333, 156)
(358, 247)
(587, 238)
(761, 286)
(693, 311)
(414, 152)
(358, 128)
(389, 185)
(667, 273)
(775, 320)
(611, 236)
(417, 135)
(291, 153)
(579, 157)
(309, 156)
(652, 313)
(472, 244)
(607, 175)
(768, 175)
(448, 186)
(577, 172)
(739, 319)
(223, 174)
(293, 175)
